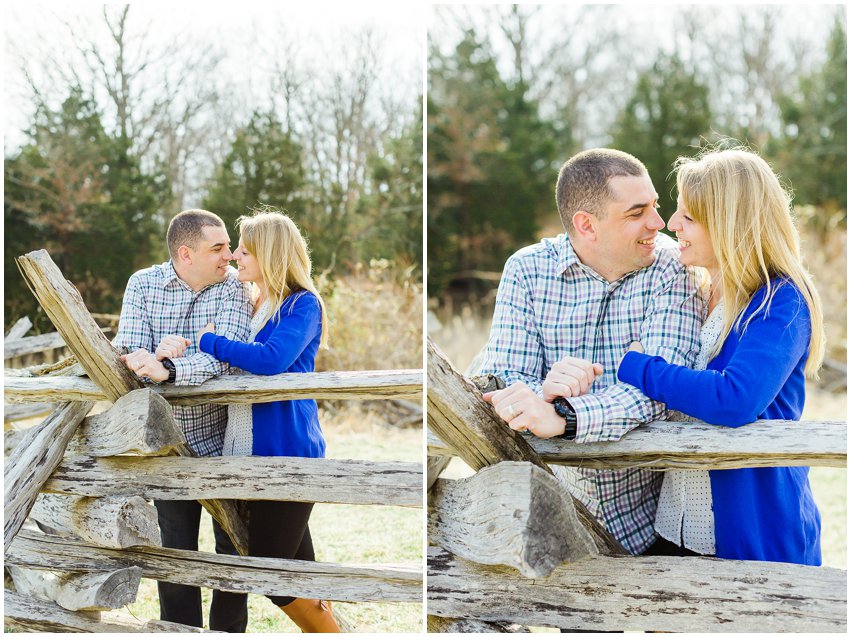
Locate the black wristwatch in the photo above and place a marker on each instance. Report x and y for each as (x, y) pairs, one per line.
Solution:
(172, 370)
(566, 411)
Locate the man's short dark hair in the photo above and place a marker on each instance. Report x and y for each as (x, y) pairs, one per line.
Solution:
(583, 181)
(186, 229)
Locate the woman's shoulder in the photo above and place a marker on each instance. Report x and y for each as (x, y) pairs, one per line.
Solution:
(784, 300)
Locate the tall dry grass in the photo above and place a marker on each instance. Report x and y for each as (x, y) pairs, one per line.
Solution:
(375, 319)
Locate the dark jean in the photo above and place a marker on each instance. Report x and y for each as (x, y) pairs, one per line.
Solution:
(180, 521)
(279, 529)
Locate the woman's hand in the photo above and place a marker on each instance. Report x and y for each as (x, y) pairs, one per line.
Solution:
(172, 346)
(570, 377)
(209, 328)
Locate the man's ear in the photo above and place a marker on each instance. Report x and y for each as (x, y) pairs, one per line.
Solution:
(585, 225)
(184, 255)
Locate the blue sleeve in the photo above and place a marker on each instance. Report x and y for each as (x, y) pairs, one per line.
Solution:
(293, 333)
(770, 348)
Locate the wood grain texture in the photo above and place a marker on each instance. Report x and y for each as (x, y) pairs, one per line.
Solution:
(80, 591)
(62, 303)
(12, 413)
(259, 575)
(466, 423)
(691, 445)
(33, 460)
(513, 514)
(37, 615)
(140, 422)
(434, 467)
(32, 344)
(111, 522)
(436, 624)
(243, 478)
(19, 329)
(676, 594)
(363, 385)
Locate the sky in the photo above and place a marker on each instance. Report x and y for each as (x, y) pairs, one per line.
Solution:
(242, 28)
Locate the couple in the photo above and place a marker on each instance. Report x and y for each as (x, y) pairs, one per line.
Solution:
(186, 321)
(730, 351)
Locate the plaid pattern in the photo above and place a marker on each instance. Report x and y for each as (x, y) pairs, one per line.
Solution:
(549, 305)
(157, 303)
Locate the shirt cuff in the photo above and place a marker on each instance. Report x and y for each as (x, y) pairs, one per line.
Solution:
(631, 369)
(182, 371)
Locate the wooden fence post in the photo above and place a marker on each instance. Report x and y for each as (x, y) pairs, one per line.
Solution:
(33, 460)
(62, 303)
(463, 420)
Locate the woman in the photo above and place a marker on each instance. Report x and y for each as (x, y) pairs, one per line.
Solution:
(287, 330)
(763, 336)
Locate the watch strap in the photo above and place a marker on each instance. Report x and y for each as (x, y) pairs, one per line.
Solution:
(566, 411)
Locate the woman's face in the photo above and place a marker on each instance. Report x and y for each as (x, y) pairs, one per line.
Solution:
(695, 245)
(247, 266)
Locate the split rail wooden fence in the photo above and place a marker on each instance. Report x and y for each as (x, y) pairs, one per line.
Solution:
(510, 547)
(79, 530)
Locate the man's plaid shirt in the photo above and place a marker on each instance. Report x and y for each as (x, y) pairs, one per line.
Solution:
(157, 303)
(550, 305)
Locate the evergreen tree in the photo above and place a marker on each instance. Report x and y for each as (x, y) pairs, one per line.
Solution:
(76, 191)
(666, 117)
(490, 164)
(263, 167)
(812, 152)
(392, 219)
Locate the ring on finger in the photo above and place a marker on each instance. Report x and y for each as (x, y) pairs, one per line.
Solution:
(512, 413)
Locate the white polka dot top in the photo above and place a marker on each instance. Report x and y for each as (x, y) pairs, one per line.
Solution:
(239, 438)
(685, 516)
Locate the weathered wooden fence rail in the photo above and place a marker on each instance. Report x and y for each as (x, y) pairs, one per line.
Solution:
(366, 385)
(84, 480)
(511, 548)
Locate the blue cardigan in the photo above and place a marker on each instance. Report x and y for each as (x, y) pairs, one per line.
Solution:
(760, 514)
(287, 343)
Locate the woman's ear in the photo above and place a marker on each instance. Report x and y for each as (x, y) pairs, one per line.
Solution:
(585, 225)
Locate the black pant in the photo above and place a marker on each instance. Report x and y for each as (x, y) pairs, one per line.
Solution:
(279, 529)
(663, 547)
(180, 521)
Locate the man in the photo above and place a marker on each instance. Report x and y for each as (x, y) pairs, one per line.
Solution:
(612, 279)
(170, 303)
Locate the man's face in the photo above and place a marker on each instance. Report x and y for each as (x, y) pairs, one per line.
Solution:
(627, 229)
(210, 259)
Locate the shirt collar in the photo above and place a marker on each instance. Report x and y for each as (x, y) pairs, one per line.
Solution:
(567, 258)
(170, 276)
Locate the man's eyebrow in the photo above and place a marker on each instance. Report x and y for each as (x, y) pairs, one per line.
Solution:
(639, 206)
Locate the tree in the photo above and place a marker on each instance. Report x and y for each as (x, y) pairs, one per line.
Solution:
(490, 163)
(812, 150)
(665, 118)
(392, 222)
(263, 166)
(74, 191)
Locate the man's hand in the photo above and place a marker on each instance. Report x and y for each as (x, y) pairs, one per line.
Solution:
(145, 365)
(570, 377)
(172, 346)
(209, 328)
(524, 410)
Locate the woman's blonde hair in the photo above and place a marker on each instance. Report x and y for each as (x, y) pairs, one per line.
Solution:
(736, 196)
(281, 252)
